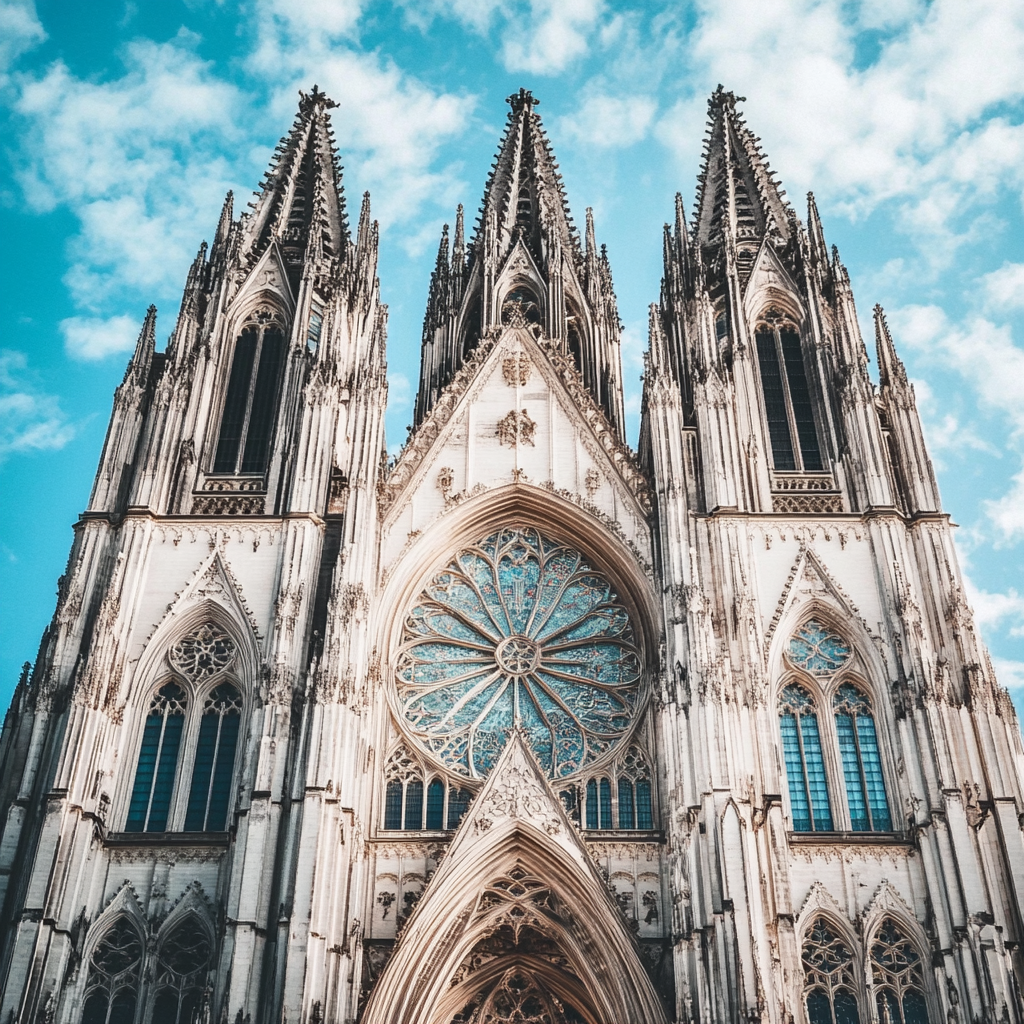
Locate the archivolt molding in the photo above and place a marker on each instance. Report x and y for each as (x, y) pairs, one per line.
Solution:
(517, 862)
(194, 903)
(887, 902)
(820, 901)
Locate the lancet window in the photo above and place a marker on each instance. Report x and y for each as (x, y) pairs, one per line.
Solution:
(115, 970)
(411, 806)
(189, 740)
(787, 397)
(830, 980)
(833, 762)
(182, 964)
(250, 405)
(897, 977)
(621, 798)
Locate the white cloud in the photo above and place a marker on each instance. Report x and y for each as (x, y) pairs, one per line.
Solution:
(554, 34)
(30, 421)
(139, 160)
(985, 356)
(997, 610)
(610, 121)
(908, 126)
(90, 338)
(390, 126)
(1004, 288)
(20, 31)
(1011, 675)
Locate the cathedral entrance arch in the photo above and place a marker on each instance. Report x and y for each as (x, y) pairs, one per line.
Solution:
(517, 924)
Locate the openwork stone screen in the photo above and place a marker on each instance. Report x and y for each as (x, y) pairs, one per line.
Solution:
(519, 628)
(818, 650)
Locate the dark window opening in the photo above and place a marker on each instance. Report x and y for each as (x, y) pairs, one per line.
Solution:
(250, 408)
(215, 761)
(158, 761)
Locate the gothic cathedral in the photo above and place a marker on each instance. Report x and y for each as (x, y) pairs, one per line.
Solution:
(520, 725)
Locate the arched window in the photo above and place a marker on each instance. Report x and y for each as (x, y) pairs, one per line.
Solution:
(897, 977)
(829, 978)
(188, 746)
(215, 761)
(158, 761)
(805, 765)
(250, 407)
(435, 804)
(182, 963)
(862, 764)
(787, 398)
(458, 804)
(115, 968)
(404, 793)
(520, 307)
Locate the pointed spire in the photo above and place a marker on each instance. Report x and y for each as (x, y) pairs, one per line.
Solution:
(224, 224)
(591, 244)
(682, 236)
(524, 193)
(819, 251)
(302, 197)
(459, 245)
(738, 198)
(142, 358)
(891, 371)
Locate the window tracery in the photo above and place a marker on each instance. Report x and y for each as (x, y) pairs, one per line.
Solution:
(519, 629)
(897, 977)
(787, 398)
(404, 804)
(830, 980)
(188, 745)
(250, 405)
(816, 747)
(115, 969)
(180, 978)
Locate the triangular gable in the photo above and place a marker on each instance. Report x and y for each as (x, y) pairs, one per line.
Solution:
(269, 275)
(488, 363)
(768, 279)
(516, 828)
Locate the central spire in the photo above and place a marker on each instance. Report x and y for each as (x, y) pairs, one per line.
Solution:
(525, 261)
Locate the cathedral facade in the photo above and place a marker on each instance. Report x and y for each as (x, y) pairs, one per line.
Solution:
(520, 725)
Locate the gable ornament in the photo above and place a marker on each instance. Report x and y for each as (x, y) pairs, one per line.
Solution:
(516, 428)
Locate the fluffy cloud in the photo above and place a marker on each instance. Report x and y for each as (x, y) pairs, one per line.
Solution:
(555, 34)
(610, 121)
(1004, 288)
(30, 420)
(905, 123)
(90, 338)
(985, 356)
(997, 610)
(139, 160)
(20, 30)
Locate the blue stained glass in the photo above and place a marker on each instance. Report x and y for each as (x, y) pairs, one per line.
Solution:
(435, 804)
(592, 816)
(393, 805)
(862, 763)
(605, 788)
(817, 649)
(626, 817)
(458, 802)
(414, 804)
(158, 761)
(859, 820)
(805, 765)
(644, 807)
(519, 629)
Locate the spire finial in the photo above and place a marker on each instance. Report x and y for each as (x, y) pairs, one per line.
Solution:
(316, 99)
(891, 370)
(521, 99)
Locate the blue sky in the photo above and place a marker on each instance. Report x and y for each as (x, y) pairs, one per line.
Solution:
(125, 123)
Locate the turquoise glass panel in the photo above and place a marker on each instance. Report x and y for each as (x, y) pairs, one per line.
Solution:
(799, 806)
(519, 630)
(435, 804)
(627, 818)
(817, 649)
(644, 806)
(814, 764)
(855, 796)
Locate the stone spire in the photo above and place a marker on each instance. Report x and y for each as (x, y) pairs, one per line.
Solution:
(524, 196)
(738, 200)
(301, 205)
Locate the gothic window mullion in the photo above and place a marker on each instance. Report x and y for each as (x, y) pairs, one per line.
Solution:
(787, 391)
(253, 374)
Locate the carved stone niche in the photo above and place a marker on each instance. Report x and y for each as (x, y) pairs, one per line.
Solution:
(228, 505)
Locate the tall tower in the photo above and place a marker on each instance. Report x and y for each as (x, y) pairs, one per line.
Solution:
(842, 771)
(517, 726)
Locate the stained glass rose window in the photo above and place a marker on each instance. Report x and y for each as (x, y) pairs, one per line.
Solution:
(519, 628)
(817, 649)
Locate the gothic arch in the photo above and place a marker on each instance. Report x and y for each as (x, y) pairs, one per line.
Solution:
(820, 903)
(521, 271)
(516, 829)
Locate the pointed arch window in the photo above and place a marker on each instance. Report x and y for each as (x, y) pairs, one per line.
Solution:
(115, 969)
(215, 761)
(805, 764)
(897, 977)
(186, 761)
(862, 763)
(250, 406)
(830, 981)
(411, 806)
(787, 397)
(158, 761)
(182, 963)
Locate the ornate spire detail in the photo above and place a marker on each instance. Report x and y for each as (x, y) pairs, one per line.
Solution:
(142, 358)
(738, 200)
(891, 371)
(301, 205)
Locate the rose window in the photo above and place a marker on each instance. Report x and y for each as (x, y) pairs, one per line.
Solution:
(519, 629)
